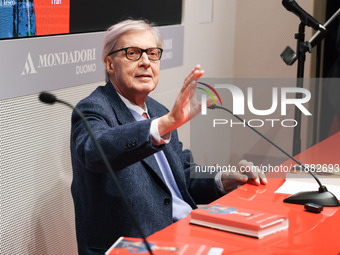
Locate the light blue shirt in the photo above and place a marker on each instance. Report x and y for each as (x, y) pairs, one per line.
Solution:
(180, 208)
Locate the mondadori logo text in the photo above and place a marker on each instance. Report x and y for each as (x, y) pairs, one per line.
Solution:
(83, 61)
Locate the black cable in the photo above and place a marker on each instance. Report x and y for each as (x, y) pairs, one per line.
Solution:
(272, 143)
(51, 99)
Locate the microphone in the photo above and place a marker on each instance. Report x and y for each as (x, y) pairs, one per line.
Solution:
(289, 56)
(307, 19)
(321, 197)
(49, 98)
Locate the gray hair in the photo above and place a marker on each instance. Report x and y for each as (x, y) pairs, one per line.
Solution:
(116, 31)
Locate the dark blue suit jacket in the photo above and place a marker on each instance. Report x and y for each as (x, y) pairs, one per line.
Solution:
(100, 216)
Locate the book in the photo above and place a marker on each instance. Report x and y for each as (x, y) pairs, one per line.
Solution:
(130, 245)
(240, 221)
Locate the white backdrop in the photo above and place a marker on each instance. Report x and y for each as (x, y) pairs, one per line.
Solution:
(35, 170)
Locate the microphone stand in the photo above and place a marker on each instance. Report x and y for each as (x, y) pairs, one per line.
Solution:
(301, 57)
(289, 57)
(321, 197)
(50, 99)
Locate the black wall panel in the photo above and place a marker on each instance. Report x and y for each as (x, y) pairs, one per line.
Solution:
(89, 15)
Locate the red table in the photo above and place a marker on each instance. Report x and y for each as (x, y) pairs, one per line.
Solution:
(308, 233)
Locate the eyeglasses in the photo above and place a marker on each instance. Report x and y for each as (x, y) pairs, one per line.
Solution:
(135, 53)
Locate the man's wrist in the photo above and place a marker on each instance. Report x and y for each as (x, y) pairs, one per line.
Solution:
(166, 124)
(157, 139)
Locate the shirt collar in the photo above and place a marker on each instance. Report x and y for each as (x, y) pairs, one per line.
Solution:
(133, 106)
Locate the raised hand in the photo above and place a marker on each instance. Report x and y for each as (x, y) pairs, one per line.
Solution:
(186, 105)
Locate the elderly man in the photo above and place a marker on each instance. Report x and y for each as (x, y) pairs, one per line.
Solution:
(139, 137)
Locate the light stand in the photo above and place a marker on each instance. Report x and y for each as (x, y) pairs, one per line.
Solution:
(289, 57)
(301, 56)
(322, 196)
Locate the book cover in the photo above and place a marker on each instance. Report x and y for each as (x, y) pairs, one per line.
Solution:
(237, 220)
(129, 245)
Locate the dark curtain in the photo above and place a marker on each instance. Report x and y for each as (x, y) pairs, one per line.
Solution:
(330, 105)
(89, 15)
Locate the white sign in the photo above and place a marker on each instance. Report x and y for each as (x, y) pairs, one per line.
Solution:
(32, 65)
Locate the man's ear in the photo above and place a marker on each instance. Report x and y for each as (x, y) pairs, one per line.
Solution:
(109, 65)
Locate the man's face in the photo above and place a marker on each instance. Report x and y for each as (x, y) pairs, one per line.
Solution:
(134, 79)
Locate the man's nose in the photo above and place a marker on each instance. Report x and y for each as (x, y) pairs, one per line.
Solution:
(144, 59)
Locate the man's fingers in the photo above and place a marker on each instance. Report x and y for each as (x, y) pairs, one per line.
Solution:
(263, 177)
(194, 74)
(255, 174)
(189, 87)
(231, 180)
(241, 178)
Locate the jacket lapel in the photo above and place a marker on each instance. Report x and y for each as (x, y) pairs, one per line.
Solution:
(124, 116)
(122, 113)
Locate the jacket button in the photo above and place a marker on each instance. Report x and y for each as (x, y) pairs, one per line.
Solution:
(167, 201)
